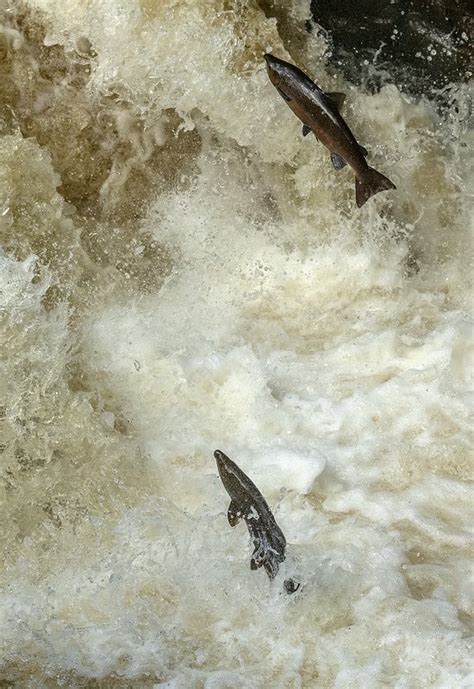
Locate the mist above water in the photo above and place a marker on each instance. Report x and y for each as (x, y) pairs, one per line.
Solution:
(182, 271)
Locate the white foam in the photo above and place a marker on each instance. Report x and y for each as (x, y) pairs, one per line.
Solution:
(286, 328)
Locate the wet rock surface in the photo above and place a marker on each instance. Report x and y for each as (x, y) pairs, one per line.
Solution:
(420, 46)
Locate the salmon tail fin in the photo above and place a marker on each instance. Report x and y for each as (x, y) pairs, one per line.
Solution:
(371, 183)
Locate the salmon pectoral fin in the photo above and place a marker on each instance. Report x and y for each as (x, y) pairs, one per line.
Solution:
(371, 183)
(337, 161)
(337, 99)
(306, 130)
(233, 514)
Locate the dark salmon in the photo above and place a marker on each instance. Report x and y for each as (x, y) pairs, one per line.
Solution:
(248, 503)
(320, 114)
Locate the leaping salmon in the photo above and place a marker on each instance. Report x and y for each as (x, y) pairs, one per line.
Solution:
(320, 114)
(248, 503)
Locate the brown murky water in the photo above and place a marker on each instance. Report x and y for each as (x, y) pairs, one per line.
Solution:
(182, 271)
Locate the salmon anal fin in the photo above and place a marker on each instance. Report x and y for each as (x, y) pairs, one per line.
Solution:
(306, 130)
(364, 151)
(337, 161)
(337, 98)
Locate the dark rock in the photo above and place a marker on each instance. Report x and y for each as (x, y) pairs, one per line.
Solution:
(420, 46)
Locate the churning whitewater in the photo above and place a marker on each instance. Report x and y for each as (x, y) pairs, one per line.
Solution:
(182, 271)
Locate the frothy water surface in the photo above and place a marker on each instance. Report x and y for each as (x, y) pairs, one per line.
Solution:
(182, 271)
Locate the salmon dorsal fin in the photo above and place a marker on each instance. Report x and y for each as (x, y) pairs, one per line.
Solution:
(306, 130)
(337, 99)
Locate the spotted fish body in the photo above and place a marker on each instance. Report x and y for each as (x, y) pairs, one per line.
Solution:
(248, 503)
(320, 114)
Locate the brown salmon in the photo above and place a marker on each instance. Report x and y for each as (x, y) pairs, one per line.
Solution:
(320, 114)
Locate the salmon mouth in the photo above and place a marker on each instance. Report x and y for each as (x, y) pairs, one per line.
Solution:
(274, 67)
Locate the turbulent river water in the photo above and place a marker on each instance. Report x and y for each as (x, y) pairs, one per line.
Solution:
(181, 271)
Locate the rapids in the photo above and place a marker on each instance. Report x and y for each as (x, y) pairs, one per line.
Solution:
(181, 271)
